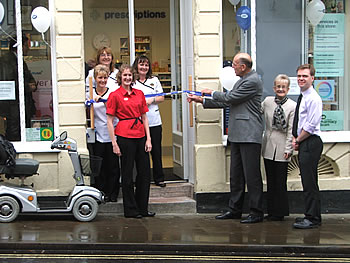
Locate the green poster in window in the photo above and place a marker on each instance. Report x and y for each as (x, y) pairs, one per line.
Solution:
(332, 120)
(46, 134)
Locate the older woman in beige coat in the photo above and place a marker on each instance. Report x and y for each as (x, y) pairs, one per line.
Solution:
(277, 147)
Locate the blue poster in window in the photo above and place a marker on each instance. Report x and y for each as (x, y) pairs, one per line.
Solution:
(325, 88)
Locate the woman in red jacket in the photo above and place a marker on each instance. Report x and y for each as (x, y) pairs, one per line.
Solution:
(131, 141)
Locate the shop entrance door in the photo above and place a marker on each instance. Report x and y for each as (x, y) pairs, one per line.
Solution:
(178, 82)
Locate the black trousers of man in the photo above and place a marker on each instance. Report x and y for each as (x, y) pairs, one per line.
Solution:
(309, 154)
(277, 195)
(156, 153)
(245, 169)
(133, 151)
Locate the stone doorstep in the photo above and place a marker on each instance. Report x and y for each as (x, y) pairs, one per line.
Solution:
(172, 190)
(160, 205)
(176, 197)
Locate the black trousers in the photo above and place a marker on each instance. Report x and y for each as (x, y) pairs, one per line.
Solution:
(156, 153)
(277, 195)
(133, 151)
(245, 169)
(309, 154)
(108, 179)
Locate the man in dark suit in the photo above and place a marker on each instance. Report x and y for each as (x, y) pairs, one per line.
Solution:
(245, 137)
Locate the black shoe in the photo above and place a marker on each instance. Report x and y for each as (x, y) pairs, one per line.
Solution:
(251, 219)
(228, 215)
(107, 199)
(299, 219)
(161, 184)
(135, 216)
(149, 214)
(306, 224)
(274, 218)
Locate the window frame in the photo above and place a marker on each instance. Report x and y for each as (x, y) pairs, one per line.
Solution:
(37, 146)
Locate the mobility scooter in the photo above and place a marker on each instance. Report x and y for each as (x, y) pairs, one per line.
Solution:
(83, 201)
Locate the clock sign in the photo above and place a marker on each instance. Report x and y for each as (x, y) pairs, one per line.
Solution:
(101, 40)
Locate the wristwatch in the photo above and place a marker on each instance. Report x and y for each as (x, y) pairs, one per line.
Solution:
(296, 141)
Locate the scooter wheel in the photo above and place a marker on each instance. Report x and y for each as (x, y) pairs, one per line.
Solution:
(85, 209)
(9, 209)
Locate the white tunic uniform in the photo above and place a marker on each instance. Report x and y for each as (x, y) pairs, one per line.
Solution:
(151, 86)
(101, 117)
(111, 82)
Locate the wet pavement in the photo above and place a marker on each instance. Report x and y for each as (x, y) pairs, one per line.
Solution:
(171, 238)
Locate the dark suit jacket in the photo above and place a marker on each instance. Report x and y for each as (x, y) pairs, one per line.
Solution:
(244, 100)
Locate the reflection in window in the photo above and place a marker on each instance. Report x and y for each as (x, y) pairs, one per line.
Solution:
(326, 45)
(36, 85)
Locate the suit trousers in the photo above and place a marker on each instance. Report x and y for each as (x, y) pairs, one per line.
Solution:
(245, 169)
(108, 179)
(156, 153)
(133, 151)
(309, 154)
(277, 195)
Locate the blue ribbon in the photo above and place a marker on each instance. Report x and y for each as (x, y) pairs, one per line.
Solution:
(88, 103)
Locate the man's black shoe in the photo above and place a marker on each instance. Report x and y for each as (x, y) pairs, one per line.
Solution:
(228, 215)
(306, 224)
(149, 214)
(251, 219)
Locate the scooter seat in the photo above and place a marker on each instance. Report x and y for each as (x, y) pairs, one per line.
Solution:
(24, 167)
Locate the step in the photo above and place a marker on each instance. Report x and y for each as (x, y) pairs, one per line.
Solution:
(176, 197)
(160, 205)
(172, 190)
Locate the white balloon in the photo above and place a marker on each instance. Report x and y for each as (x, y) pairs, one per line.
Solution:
(2, 12)
(41, 19)
(315, 11)
(228, 77)
(234, 2)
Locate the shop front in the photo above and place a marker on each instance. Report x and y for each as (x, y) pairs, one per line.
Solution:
(279, 38)
(187, 42)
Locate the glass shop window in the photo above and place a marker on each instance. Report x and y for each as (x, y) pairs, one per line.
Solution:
(326, 51)
(33, 83)
(234, 40)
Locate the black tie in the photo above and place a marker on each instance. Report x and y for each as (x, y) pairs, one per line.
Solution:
(296, 117)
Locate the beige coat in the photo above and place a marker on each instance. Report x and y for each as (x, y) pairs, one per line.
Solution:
(276, 142)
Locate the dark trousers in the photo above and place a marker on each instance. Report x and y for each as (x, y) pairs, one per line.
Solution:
(277, 195)
(133, 151)
(156, 153)
(108, 179)
(245, 169)
(309, 154)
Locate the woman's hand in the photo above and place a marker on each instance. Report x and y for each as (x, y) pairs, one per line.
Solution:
(148, 145)
(116, 149)
(149, 101)
(97, 98)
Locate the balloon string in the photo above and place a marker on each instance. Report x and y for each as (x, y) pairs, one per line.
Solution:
(9, 36)
(59, 54)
